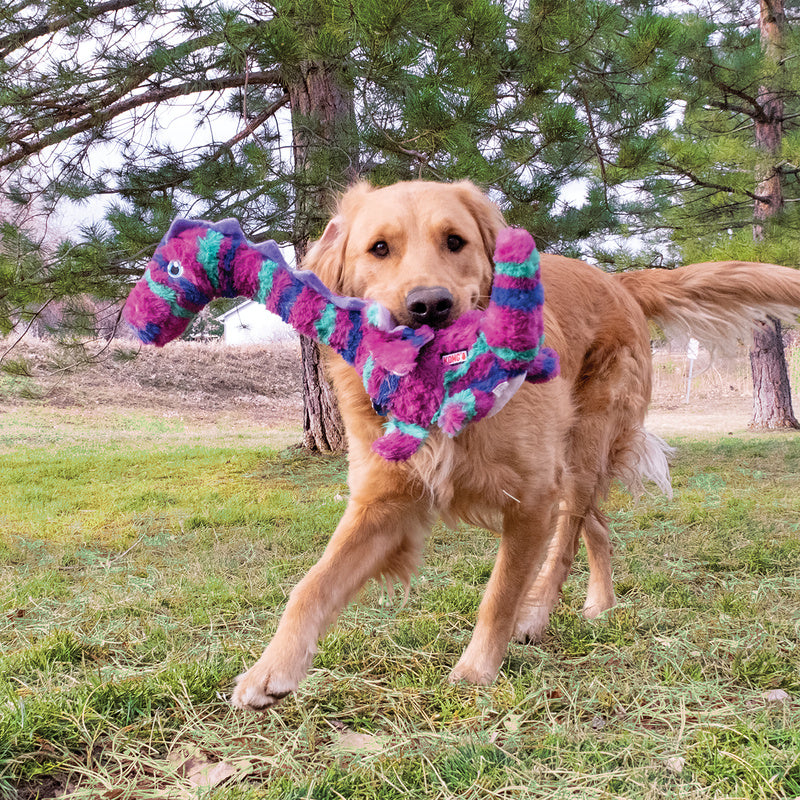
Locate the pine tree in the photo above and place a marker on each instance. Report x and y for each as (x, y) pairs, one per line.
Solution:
(728, 166)
(165, 110)
(772, 398)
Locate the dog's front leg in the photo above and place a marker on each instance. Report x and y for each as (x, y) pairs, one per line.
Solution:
(522, 549)
(375, 538)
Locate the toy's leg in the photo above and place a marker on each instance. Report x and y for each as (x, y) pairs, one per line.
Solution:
(522, 547)
(380, 538)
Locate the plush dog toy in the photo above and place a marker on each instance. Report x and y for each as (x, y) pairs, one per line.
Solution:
(416, 377)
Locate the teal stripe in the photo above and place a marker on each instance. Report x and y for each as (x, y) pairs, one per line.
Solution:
(374, 314)
(527, 269)
(509, 354)
(466, 399)
(369, 365)
(266, 274)
(208, 255)
(169, 295)
(326, 324)
(417, 431)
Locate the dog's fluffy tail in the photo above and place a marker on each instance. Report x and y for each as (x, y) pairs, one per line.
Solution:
(646, 459)
(715, 302)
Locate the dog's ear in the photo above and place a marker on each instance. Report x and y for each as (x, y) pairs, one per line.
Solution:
(490, 223)
(326, 255)
(486, 213)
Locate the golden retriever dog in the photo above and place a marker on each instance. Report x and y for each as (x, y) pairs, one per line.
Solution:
(537, 472)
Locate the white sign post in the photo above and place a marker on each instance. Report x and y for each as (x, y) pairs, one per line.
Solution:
(691, 353)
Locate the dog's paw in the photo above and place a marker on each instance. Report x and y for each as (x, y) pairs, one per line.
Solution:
(258, 690)
(470, 673)
(595, 605)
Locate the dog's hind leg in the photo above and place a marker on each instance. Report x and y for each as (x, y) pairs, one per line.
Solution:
(375, 538)
(522, 549)
(600, 593)
(578, 516)
(534, 611)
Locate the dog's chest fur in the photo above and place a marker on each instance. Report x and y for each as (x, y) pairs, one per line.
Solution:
(488, 469)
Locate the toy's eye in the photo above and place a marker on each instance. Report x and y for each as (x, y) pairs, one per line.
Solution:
(380, 249)
(454, 243)
(174, 269)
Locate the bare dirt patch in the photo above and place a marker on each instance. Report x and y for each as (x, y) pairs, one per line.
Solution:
(719, 400)
(253, 385)
(259, 387)
(722, 416)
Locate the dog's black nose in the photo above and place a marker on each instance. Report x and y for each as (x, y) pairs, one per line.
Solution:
(429, 305)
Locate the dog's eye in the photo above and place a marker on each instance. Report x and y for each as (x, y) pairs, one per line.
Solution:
(454, 243)
(380, 249)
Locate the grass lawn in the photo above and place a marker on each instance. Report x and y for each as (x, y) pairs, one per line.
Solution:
(143, 567)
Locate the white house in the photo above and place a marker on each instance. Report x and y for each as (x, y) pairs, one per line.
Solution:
(251, 323)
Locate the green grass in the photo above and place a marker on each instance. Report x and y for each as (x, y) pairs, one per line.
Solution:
(139, 574)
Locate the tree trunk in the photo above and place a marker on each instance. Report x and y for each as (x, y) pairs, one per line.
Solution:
(322, 424)
(326, 161)
(772, 400)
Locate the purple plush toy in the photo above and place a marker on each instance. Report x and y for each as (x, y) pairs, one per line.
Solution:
(415, 377)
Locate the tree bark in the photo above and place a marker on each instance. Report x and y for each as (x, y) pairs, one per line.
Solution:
(323, 429)
(326, 162)
(772, 399)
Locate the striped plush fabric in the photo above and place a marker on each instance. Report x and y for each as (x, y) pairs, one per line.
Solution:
(416, 378)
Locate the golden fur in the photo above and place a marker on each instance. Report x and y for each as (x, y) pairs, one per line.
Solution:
(535, 473)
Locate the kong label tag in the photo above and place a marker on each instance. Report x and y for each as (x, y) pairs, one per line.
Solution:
(451, 359)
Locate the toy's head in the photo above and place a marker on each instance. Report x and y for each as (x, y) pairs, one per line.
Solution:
(193, 264)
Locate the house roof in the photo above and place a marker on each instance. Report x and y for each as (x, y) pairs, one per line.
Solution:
(235, 310)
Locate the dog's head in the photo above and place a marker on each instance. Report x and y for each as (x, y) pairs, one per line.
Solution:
(422, 249)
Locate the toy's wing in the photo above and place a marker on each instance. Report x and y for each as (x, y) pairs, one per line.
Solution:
(503, 392)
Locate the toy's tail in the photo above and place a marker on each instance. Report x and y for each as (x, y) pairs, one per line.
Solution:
(514, 326)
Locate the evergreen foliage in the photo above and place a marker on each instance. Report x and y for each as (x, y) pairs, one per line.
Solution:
(158, 110)
(592, 123)
(706, 165)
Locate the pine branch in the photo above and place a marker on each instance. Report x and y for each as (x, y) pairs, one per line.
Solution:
(98, 117)
(12, 41)
(255, 123)
(596, 142)
(755, 111)
(132, 79)
(702, 183)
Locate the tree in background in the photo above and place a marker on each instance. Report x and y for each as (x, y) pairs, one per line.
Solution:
(772, 397)
(729, 164)
(266, 111)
